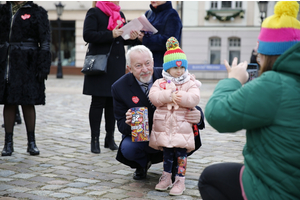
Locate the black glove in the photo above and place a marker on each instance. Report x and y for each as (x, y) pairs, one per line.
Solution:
(41, 77)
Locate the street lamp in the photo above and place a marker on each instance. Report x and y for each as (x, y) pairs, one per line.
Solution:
(263, 7)
(59, 11)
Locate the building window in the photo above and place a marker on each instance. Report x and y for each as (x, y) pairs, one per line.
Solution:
(215, 50)
(234, 46)
(234, 42)
(238, 4)
(67, 43)
(226, 4)
(214, 5)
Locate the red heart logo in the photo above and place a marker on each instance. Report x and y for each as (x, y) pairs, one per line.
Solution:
(25, 16)
(178, 63)
(163, 85)
(140, 119)
(135, 99)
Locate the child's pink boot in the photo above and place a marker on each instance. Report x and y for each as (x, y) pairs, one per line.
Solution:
(165, 182)
(178, 186)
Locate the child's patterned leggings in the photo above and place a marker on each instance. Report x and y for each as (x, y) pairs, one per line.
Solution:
(181, 156)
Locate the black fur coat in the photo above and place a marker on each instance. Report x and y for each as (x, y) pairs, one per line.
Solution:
(25, 57)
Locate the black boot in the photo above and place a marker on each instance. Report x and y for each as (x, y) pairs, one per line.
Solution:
(8, 145)
(110, 141)
(18, 119)
(95, 148)
(32, 148)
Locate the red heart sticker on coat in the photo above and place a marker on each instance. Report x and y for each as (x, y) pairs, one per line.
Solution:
(178, 63)
(25, 16)
(135, 99)
(163, 85)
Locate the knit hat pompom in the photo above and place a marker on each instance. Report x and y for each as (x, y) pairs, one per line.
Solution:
(174, 56)
(172, 43)
(289, 8)
(280, 31)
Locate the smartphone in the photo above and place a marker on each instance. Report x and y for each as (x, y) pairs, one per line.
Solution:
(252, 70)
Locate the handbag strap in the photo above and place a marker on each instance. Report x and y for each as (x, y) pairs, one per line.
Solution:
(109, 48)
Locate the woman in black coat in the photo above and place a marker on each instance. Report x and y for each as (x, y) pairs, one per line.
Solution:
(100, 34)
(25, 61)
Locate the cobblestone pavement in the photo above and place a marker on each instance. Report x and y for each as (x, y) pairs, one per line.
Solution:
(66, 169)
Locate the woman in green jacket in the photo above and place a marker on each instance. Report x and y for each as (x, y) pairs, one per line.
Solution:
(268, 108)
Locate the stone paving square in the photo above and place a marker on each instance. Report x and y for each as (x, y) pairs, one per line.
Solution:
(66, 169)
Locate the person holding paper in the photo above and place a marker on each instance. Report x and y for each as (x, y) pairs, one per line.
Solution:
(101, 31)
(168, 23)
(128, 92)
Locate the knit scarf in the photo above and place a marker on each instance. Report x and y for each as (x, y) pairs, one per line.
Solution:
(179, 80)
(111, 10)
(16, 6)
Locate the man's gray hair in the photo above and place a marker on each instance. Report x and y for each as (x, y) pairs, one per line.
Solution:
(138, 48)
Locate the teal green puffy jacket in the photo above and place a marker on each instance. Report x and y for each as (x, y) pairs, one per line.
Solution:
(269, 109)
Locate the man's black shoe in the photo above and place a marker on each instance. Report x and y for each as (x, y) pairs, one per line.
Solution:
(140, 172)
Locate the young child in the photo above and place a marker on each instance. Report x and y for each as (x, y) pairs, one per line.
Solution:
(173, 95)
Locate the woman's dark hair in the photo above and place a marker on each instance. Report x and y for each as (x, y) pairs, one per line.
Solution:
(268, 63)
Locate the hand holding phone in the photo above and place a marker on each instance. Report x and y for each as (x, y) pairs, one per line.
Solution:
(237, 71)
(252, 70)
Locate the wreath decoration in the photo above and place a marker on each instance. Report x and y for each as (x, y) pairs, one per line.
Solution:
(224, 18)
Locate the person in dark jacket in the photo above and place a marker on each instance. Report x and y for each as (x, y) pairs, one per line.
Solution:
(25, 61)
(127, 93)
(253, 57)
(167, 22)
(101, 30)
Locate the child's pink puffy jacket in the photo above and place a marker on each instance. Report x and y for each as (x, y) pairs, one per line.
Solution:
(170, 129)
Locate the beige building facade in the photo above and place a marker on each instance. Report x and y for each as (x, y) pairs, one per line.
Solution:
(74, 13)
(218, 30)
(212, 31)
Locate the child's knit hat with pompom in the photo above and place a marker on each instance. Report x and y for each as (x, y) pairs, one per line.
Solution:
(174, 56)
(280, 31)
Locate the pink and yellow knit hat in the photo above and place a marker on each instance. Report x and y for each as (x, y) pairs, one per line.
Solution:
(174, 56)
(280, 31)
